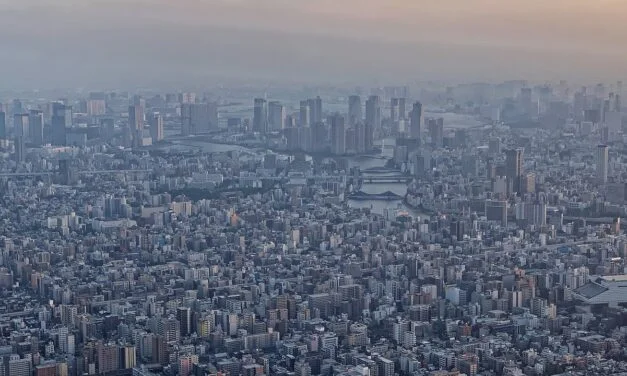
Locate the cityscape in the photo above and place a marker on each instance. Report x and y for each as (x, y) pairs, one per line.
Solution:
(226, 188)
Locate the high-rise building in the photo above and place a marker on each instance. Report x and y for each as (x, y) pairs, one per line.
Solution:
(260, 116)
(61, 120)
(360, 137)
(514, 169)
(415, 121)
(20, 125)
(136, 123)
(19, 149)
(96, 104)
(355, 114)
(304, 114)
(338, 132)
(276, 116)
(199, 118)
(186, 364)
(156, 127)
(394, 110)
(373, 112)
(496, 210)
(36, 127)
(436, 131)
(108, 358)
(184, 316)
(136, 117)
(402, 108)
(19, 366)
(128, 360)
(315, 108)
(602, 163)
(3, 125)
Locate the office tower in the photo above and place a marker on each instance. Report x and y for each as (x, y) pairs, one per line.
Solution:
(436, 131)
(20, 125)
(602, 163)
(373, 112)
(514, 169)
(496, 210)
(315, 108)
(156, 127)
(415, 121)
(61, 120)
(304, 114)
(394, 109)
(319, 135)
(199, 118)
(461, 137)
(36, 127)
(17, 107)
(360, 137)
(184, 317)
(338, 132)
(19, 149)
(96, 104)
(355, 114)
(368, 137)
(260, 116)
(402, 108)
(422, 164)
(3, 125)
(494, 145)
(276, 116)
(136, 123)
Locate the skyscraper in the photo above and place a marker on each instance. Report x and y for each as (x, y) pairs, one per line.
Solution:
(436, 131)
(136, 123)
(96, 104)
(198, 118)
(20, 124)
(355, 114)
(184, 317)
(260, 116)
(394, 109)
(415, 125)
(305, 114)
(315, 108)
(338, 132)
(276, 116)
(61, 120)
(19, 149)
(36, 127)
(402, 108)
(156, 127)
(3, 125)
(373, 112)
(514, 169)
(602, 163)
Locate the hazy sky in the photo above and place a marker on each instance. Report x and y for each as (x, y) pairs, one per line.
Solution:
(70, 43)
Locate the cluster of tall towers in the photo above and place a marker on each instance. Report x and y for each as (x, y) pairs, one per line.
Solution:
(310, 129)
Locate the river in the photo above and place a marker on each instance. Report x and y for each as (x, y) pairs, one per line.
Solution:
(364, 162)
